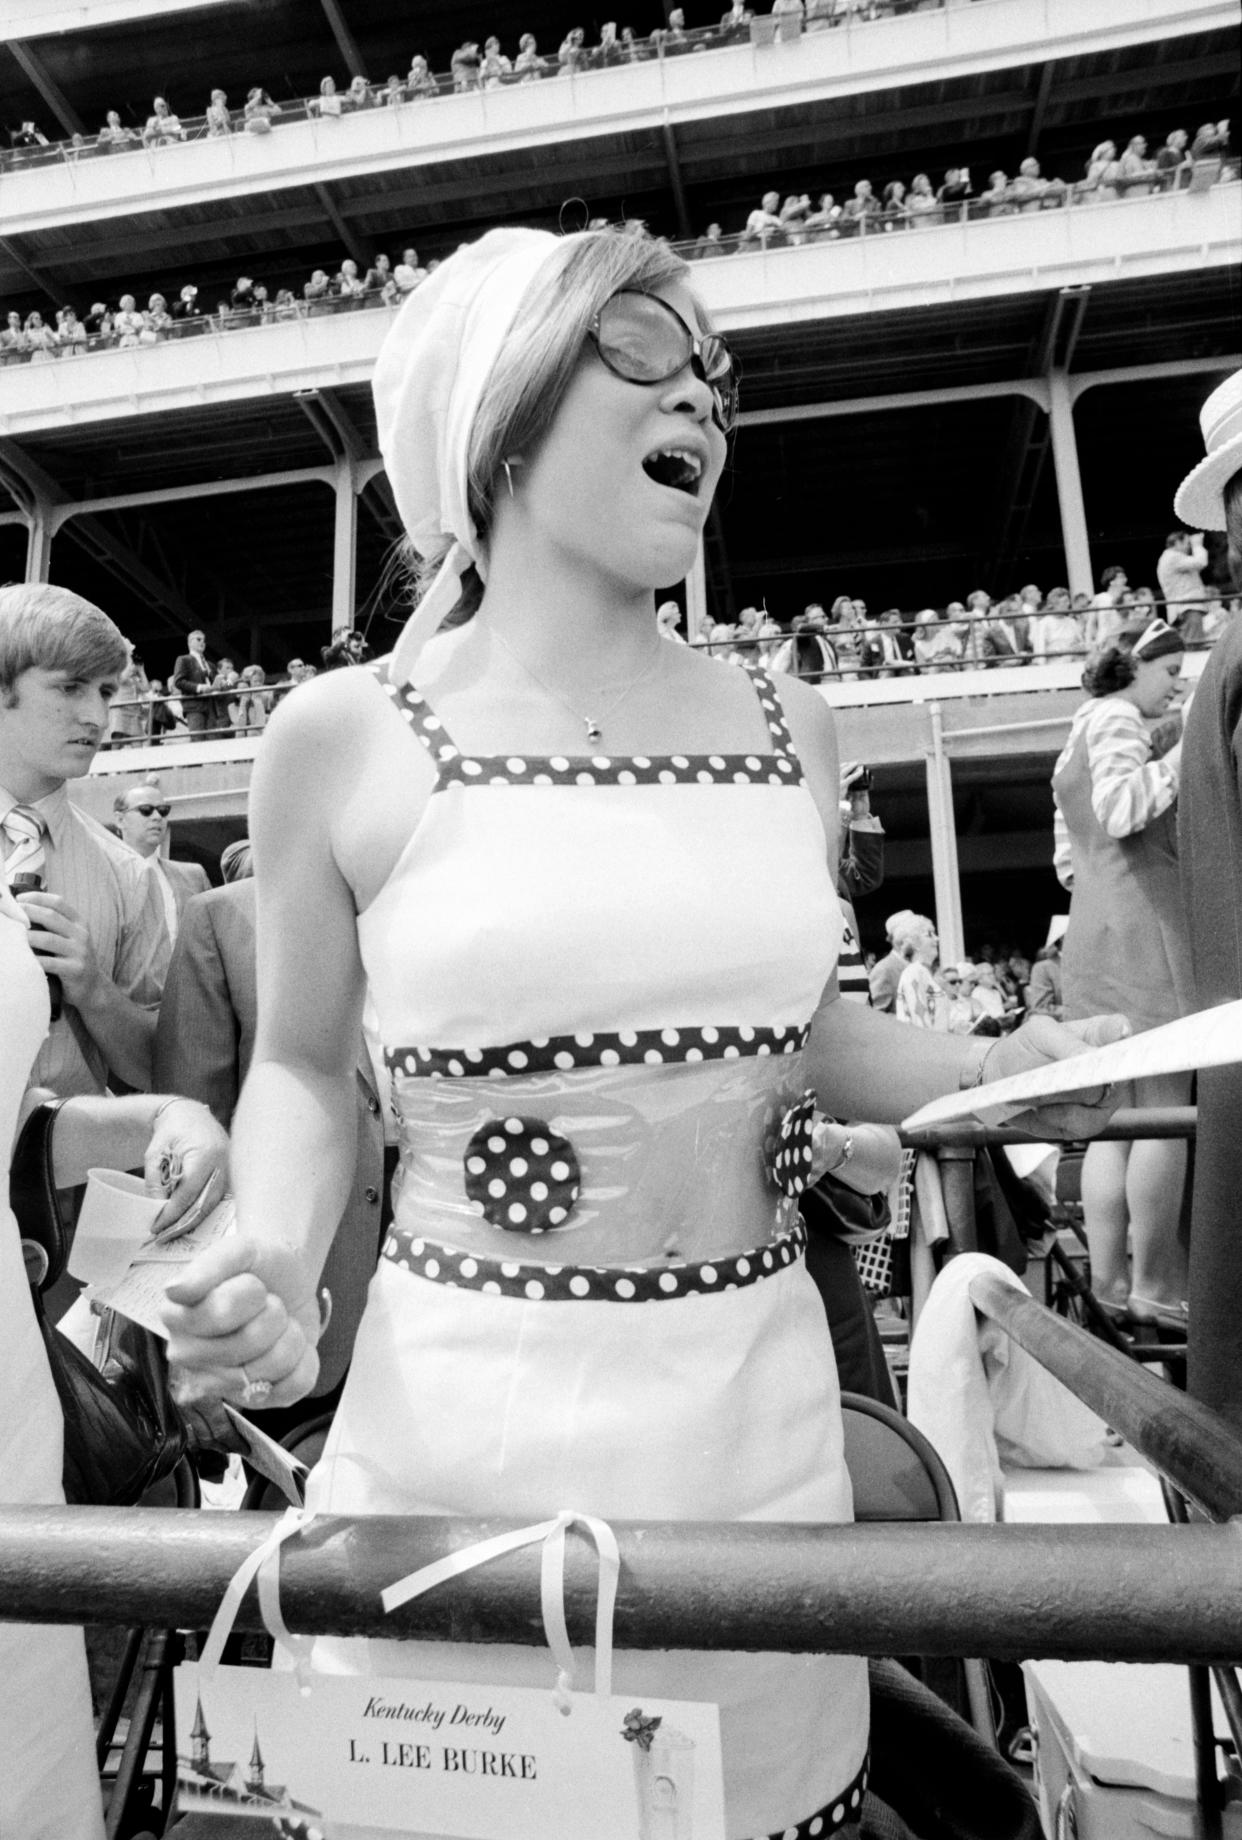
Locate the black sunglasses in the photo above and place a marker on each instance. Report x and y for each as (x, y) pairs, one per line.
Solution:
(641, 339)
(146, 811)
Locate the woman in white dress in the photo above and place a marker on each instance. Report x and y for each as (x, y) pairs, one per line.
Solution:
(589, 879)
(49, 1785)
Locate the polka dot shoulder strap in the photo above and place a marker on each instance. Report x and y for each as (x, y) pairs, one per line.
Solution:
(780, 767)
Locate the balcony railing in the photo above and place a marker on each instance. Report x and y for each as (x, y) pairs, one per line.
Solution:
(664, 77)
(878, 256)
(240, 713)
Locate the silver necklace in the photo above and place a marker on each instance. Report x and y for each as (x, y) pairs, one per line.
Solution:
(594, 725)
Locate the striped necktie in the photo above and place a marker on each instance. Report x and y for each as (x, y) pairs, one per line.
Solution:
(24, 830)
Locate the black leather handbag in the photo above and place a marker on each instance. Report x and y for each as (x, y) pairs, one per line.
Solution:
(123, 1431)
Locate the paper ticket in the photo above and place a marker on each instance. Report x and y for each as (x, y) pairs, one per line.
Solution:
(268, 1457)
(1209, 1038)
(139, 1292)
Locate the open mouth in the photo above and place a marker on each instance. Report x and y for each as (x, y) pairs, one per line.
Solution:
(675, 467)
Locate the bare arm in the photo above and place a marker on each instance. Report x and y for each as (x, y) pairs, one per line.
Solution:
(866, 1065)
(250, 1303)
(147, 1131)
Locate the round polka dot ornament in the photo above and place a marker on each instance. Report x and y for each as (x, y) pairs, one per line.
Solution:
(521, 1175)
(794, 1155)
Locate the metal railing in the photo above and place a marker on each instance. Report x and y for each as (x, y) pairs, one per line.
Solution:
(846, 222)
(1132, 1593)
(974, 633)
(1197, 1453)
(820, 15)
(148, 728)
(47, 343)
(1014, 1592)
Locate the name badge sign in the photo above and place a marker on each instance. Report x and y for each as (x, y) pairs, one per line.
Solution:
(435, 1757)
(328, 1756)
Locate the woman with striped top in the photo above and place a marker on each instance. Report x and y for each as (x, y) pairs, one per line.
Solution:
(1127, 945)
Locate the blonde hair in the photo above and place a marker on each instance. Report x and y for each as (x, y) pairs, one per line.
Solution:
(49, 629)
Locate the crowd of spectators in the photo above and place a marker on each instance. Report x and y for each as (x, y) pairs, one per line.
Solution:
(471, 67)
(844, 641)
(1181, 163)
(249, 302)
(838, 644)
(181, 311)
(774, 224)
(988, 994)
(204, 700)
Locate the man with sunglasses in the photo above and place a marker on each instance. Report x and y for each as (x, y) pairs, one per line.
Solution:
(142, 820)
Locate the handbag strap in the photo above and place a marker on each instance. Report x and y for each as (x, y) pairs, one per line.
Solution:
(33, 1194)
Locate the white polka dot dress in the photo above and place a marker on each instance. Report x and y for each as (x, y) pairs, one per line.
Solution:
(594, 977)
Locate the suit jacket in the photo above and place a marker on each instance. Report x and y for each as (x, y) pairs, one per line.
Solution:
(1209, 829)
(185, 879)
(192, 674)
(885, 977)
(203, 1046)
(1043, 993)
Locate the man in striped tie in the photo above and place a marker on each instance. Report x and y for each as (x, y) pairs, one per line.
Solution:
(96, 912)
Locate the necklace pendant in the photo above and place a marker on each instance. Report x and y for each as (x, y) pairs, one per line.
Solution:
(593, 730)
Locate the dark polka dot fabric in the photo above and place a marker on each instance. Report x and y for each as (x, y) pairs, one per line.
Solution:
(832, 1817)
(521, 1175)
(624, 1047)
(793, 1152)
(781, 767)
(592, 1283)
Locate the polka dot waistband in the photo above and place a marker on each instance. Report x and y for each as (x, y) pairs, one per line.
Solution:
(599, 1048)
(832, 1817)
(591, 1283)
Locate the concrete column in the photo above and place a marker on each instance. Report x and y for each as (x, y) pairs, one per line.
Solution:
(39, 542)
(344, 545)
(945, 876)
(1069, 484)
(696, 595)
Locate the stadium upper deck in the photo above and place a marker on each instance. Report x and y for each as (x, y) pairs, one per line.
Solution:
(958, 330)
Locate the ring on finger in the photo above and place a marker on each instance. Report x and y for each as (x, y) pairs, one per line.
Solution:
(253, 1390)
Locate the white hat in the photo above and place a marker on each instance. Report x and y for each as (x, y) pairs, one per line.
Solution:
(428, 383)
(1200, 500)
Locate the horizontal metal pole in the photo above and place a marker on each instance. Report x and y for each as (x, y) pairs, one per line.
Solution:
(1128, 1593)
(202, 488)
(1035, 388)
(1189, 1443)
(1007, 728)
(1124, 1126)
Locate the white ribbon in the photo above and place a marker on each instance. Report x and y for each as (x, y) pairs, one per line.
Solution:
(265, 1561)
(551, 1589)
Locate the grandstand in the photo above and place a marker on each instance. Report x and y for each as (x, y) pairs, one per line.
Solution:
(998, 399)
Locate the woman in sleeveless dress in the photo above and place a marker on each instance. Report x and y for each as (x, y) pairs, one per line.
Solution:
(1127, 949)
(49, 1784)
(588, 878)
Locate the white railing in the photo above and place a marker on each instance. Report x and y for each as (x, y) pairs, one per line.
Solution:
(1120, 239)
(858, 57)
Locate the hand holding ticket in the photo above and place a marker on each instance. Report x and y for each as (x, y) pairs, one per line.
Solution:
(1209, 1038)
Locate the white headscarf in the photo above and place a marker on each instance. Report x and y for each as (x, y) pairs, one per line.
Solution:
(429, 380)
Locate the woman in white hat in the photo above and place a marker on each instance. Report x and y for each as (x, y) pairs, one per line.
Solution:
(588, 878)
